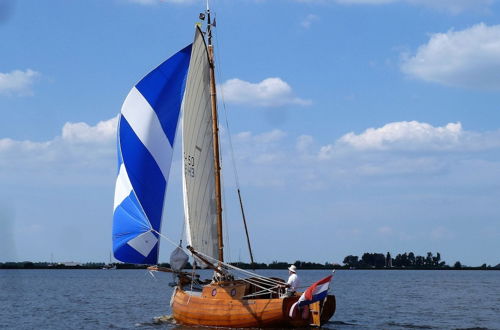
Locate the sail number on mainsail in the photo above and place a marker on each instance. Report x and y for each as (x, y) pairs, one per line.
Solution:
(188, 165)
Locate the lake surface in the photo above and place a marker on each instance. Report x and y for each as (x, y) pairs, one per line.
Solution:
(131, 299)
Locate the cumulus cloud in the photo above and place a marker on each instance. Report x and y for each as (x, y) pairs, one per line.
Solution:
(79, 145)
(154, 2)
(467, 58)
(274, 158)
(18, 82)
(413, 136)
(104, 131)
(406, 135)
(368, 2)
(451, 6)
(270, 92)
(397, 150)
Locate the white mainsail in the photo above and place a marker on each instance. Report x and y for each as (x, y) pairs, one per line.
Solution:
(198, 154)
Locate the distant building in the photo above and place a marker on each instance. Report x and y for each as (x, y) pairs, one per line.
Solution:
(388, 260)
(70, 264)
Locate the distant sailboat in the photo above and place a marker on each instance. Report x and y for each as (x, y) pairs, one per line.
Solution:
(147, 128)
(110, 265)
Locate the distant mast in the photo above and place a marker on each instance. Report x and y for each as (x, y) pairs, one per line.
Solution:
(215, 132)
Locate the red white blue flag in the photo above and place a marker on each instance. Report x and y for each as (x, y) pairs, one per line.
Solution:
(316, 292)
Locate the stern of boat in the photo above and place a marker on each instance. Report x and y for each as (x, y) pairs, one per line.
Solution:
(316, 314)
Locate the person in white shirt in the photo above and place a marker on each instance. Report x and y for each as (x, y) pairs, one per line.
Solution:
(293, 281)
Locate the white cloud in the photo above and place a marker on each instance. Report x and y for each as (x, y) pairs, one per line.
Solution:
(455, 6)
(266, 137)
(104, 131)
(365, 2)
(406, 135)
(259, 148)
(466, 58)
(412, 136)
(326, 152)
(273, 158)
(450, 6)
(18, 82)
(79, 145)
(270, 92)
(399, 151)
(154, 2)
(309, 20)
(304, 142)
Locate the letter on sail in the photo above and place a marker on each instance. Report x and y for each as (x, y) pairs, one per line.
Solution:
(198, 161)
(146, 133)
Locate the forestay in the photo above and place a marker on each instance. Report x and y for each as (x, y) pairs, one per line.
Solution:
(146, 132)
(198, 160)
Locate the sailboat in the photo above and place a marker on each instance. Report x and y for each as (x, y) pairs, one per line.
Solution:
(110, 265)
(184, 87)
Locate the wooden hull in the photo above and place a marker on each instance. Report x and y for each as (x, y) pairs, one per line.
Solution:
(242, 313)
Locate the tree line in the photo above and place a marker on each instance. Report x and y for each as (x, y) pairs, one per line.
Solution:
(406, 260)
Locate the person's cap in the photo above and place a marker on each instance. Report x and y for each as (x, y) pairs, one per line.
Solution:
(292, 268)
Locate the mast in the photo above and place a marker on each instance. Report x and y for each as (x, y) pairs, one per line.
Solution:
(215, 132)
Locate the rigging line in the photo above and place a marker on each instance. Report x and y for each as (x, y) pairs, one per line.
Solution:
(170, 241)
(255, 281)
(262, 281)
(222, 149)
(260, 277)
(263, 278)
(221, 92)
(255, 275)
(226, 236)
(264, 289)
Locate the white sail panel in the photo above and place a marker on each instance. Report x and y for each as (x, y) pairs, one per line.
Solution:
(198, 160)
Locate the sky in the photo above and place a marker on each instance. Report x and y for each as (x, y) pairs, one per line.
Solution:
(357, 125)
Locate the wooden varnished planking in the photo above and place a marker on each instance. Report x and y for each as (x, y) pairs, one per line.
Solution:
(230, 312)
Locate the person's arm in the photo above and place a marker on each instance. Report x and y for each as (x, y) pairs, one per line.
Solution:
(287, 284)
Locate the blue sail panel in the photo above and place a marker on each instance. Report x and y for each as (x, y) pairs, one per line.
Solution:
(146, 132)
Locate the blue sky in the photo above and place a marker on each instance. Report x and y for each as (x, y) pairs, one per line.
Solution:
(358, 125)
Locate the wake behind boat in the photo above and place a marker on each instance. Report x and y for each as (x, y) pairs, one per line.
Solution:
(147, 128)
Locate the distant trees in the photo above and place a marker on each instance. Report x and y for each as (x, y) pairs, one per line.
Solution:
(368, 260)
(401, 260)
(375, 260)
(406, 260)
(351, 261)
(409, 260)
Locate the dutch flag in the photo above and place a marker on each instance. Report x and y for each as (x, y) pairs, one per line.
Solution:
(316, 292)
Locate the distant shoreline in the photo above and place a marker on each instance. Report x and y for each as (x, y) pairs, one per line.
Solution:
(272, 266)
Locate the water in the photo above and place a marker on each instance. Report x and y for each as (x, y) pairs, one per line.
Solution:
(131, 299)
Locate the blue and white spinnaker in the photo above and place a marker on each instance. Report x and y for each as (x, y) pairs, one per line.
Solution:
(146, 132)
